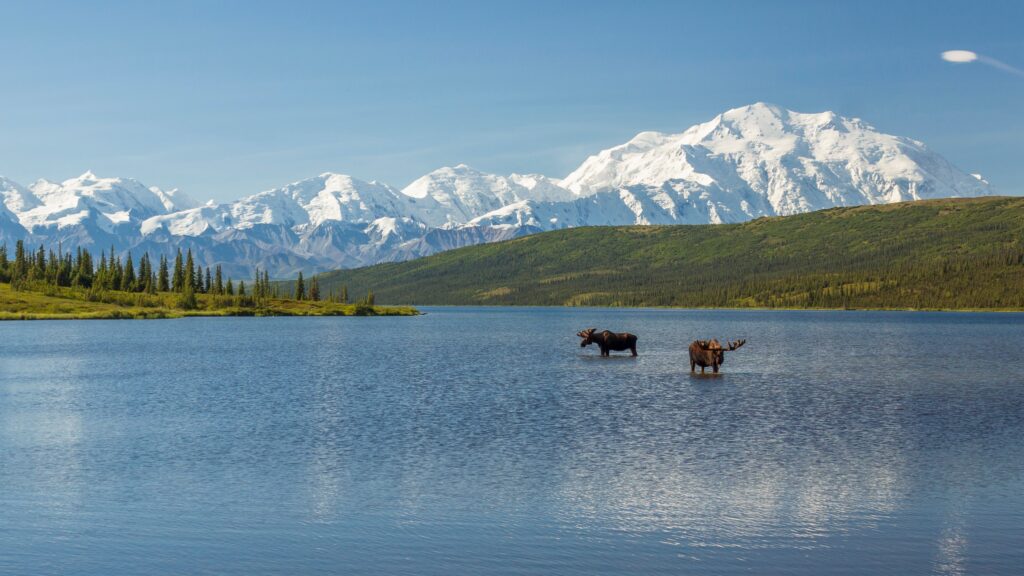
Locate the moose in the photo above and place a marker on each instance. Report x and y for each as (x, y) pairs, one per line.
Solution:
(608, 341)
(706, 353)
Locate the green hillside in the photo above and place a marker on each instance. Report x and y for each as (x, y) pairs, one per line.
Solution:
(943, 254)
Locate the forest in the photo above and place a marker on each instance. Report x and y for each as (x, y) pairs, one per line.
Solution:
(953, 254)
(53, 283)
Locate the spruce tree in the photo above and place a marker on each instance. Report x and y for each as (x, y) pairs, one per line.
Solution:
(218, 281)
(20, 261)
(344, 294)
(128, 277)
(38, 269)
(145, 273)
(76, 274)
(52, 269)
(162, 277)
(103, 272)
(369, 298)
(300, 288)
(189, 281)
(241, 287)
(116, 273)
(86, 274)
(141, 272)
(229, 288)
(146, 282)
(179, 273)
(314, 289)
(113, 280)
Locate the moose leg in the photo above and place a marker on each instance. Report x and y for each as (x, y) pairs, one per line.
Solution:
(693, 366)
(715, 367)
(633, 349)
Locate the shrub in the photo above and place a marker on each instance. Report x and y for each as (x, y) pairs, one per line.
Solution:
(187, 300)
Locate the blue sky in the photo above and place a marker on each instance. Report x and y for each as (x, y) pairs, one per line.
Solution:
(225, 99)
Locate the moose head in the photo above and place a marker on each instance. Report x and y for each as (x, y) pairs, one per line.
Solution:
(588, 337)
(715, 347)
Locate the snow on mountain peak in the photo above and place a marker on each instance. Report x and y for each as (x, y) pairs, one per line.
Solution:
(764, 160)
(75, 200)
(327, 197)
(174, 199)
(747, 162)
(456, 195)
(16, 197)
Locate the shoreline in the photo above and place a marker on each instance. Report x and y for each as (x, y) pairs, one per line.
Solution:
(79, 304)
(730, 308)
(181, 314)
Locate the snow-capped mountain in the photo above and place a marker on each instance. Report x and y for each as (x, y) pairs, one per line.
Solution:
(108, 201)
(753, 161)
(310, 202)
(763, 160)
(15, 197)
(454, 196)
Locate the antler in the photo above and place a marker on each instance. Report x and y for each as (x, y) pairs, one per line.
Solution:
(736, 344)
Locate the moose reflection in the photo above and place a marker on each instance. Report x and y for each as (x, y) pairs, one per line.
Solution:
(608, 341)
(706, 353)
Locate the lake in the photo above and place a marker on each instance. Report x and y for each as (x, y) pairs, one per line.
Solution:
(486, 441)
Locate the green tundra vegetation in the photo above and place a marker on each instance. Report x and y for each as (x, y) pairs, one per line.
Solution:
(51, 285)
(959, 254)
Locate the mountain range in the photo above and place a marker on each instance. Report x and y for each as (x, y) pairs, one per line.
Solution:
(757, 160)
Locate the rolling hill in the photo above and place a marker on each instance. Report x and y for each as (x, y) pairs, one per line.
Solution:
(934, 254)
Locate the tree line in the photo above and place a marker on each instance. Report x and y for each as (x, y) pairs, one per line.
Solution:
(313, 292)
(28, 269)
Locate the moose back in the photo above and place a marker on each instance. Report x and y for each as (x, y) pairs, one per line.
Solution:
(608, 341)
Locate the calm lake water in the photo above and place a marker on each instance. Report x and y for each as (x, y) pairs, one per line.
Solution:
(486, 441)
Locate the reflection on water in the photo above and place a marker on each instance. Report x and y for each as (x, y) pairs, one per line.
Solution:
(952, 555)
(482, 440)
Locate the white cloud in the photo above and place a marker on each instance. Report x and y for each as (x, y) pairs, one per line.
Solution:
(965, 56)
(959, 56)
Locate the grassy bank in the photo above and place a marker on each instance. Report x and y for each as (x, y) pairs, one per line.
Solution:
(954, 254)
(71, 303)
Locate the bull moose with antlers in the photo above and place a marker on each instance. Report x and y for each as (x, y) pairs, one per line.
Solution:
(706, 353)
(608, 341)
